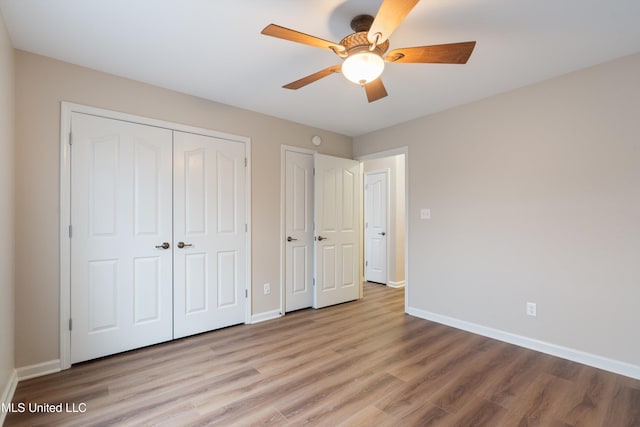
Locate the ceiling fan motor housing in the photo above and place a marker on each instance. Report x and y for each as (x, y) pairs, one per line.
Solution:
(358, 42)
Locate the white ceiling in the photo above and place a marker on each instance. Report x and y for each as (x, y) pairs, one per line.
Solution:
(213, 49)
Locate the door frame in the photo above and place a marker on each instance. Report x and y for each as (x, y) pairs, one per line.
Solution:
(283, 226)
(283, 148)
(388, 153)
(387, 206)
(66, 109)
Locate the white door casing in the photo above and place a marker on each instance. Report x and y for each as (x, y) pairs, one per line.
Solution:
(209, 233)
(298, 230)
(121, 275)
(376, 226)
(337, 219)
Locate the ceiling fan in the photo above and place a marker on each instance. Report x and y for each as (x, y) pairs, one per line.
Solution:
(364, 50)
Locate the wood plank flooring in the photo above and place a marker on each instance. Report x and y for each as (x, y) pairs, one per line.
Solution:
(364, 363)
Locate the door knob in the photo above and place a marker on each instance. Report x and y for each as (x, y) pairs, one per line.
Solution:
(320, 238)
(184, 245)
(165, 245)
(382, 233)
(290, 239)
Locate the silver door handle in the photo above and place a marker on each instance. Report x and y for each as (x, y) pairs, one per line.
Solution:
(184, 245)
(320, 238)
(382, 233)
(290, 239)
(165, 245)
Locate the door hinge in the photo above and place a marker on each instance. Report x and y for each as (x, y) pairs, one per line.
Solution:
(70, 231)
(245, 162)
(246, 293)
(70, 138)
(366, 263)
(70, 324)
(314, 282)
(246, 228)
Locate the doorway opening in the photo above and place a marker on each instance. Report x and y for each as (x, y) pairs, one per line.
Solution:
(321, 224)
(392, 230)
(385, 219)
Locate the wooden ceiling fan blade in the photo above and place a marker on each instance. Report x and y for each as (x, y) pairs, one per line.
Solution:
(277, 31)
(375, 90)
(313, 77)
(452, 53)
(389, 16)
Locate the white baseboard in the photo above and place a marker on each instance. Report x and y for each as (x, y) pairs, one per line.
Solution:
(38, 370)
(7, 394)
(399, 284)
(594, 360)
(263, 317)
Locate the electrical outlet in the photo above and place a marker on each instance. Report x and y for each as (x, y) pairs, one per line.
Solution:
(267, 288)
(532, 309)
(425, 213)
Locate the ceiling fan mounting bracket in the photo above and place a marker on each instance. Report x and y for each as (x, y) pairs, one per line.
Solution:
(361, 23)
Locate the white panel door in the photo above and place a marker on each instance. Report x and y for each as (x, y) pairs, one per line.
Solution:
(375, 226)
(337, 213)
(209, 233)
(121, 274)
(298, 230)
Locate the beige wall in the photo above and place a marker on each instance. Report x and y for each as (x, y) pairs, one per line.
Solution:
(42, 84)
(535, 196)
(7, 144)
(396, 231)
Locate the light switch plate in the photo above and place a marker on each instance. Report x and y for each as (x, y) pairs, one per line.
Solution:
(532, 309)
(425, 213)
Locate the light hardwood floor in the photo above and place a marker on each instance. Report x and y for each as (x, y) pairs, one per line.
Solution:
(364, 363)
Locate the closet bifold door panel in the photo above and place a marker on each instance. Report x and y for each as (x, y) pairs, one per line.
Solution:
(121, 210)
(209, 233)
(158, 234)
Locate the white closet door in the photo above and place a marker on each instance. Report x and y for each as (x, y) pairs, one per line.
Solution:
(209, 233)
(337, 212)
(299, 230)
(121, 275)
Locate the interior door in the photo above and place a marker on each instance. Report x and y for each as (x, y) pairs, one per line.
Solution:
(375, 226)
(337, 220)
(121, 272)
(298, 230)
(209, 233)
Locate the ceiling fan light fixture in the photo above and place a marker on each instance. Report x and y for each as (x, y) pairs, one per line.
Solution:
(363, 67)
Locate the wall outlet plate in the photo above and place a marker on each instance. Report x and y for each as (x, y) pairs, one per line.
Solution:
(425, 213)
(532, 309)
(267, 288)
